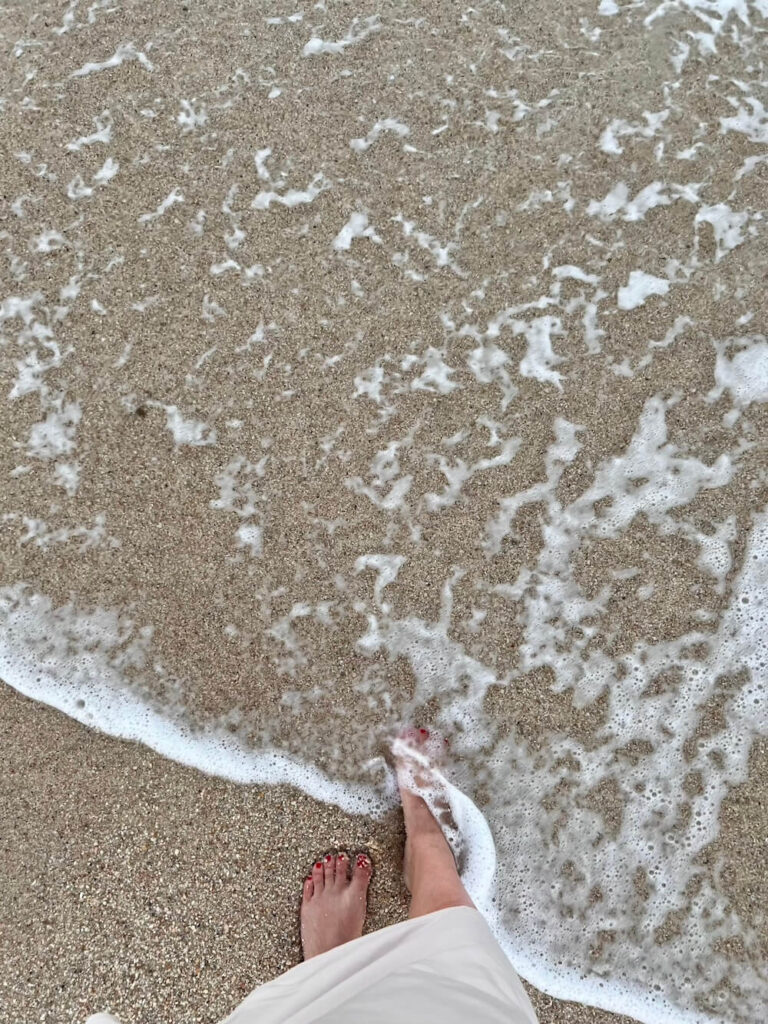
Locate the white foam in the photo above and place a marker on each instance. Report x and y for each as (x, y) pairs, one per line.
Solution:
(387, 124)
(125, 51)
(359, 30)
(292, 197)
(540, 358)
(55, 435)
(619, 128)
(387, 568)
(745, 374)
(618, 205)
(43, 536)
(77, 189)
(88, 686)
(67, 475)
(188, 431)
(442, 252)
(639, 288)
(103, 133)
(727, 225)
(193, 115)
(107, 171)
(356, 227)
(250, 536)
(750, 119)
(49, 240)
(173, 197)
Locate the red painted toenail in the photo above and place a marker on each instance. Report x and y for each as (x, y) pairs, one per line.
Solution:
(424, 732)
(328, 858)
(319, 864)
(362, 860)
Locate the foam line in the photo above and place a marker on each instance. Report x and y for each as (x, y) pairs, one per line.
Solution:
(125, 716)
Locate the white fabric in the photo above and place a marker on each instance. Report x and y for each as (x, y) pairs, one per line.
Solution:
(444, 967)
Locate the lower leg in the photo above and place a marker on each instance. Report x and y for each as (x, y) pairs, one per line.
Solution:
(430, 868)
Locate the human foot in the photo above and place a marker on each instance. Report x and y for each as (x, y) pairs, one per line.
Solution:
(429, 865)
(333, 902)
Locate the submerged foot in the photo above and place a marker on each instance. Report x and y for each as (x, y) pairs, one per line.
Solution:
(429, 865)
(417, 758)
(333, 903)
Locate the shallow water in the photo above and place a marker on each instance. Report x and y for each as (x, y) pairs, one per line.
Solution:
(366, 365)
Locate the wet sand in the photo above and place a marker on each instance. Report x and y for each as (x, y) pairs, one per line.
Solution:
(154, 890)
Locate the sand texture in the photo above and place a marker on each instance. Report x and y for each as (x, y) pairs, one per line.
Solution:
(363, 365)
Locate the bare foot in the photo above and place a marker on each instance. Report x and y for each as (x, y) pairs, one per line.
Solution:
(429, 865)
(333, 903)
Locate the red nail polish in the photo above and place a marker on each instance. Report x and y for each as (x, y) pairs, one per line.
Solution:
(319, 864)
(362, 860)
(424, 732)
(328, 858)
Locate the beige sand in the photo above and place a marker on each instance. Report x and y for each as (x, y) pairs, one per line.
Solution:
(152, 890)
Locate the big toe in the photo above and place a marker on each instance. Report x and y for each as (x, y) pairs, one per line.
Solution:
(361, 876)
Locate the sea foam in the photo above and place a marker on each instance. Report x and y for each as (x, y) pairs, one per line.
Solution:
(76, 662)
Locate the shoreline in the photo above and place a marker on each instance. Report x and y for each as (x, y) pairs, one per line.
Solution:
(121, 864)
(372, 364)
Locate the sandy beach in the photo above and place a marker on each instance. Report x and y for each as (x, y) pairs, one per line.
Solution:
(148, 890)
(366, 365)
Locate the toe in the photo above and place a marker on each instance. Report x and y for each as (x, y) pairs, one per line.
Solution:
(361, 876)
(342, 869)
(317, 877)
(412, 737)
(329, 868)
(308, 890)
(431, 743)
(419, 744)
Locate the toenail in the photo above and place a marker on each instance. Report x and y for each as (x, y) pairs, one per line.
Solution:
(319, 864)
(328, 858)
(362, 860)
(342, 856)
(424, 732)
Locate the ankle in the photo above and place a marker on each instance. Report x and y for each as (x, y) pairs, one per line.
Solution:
(419, 820)
(428, 844)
